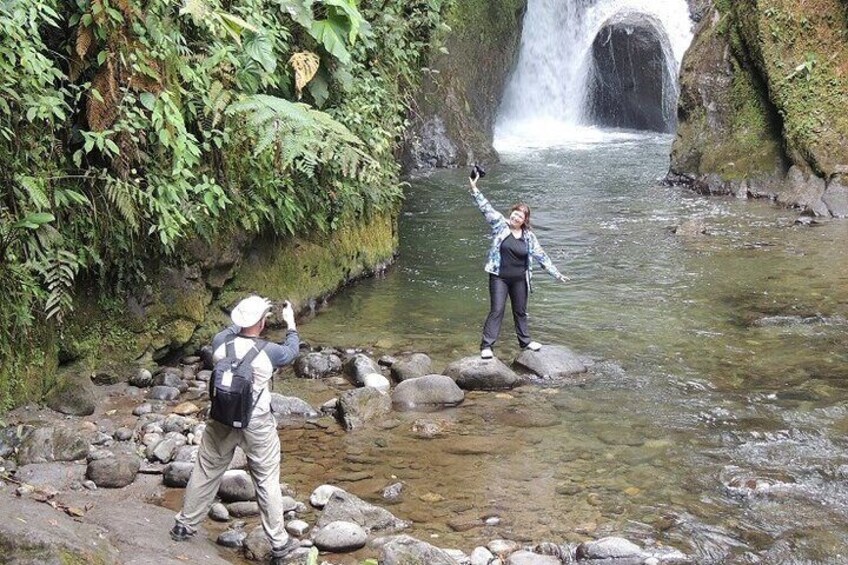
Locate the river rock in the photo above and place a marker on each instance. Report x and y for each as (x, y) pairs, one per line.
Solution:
(474, 373)
(52, 443)
(393, 492)
(362, 405)
(176, 474)
(142, 378)
(345, 507)
(297, 528)
(411, 366)
(290, 407)
(503, 546)
(836, 196)
(406, 550)
(123, 434)
(10, 438)
(321, 495)
(551, 362)
(163, 393)
(236, 485)
(482, 556)
(73, 394)
(186, 408)
(317, 365)
(340, 537)
(142, 409)
(114, 472)
(358, 366)
(243, 509)
(164, 450)
(524, 557)
(219, 512)
(169, 378)
(378, 381)
(256, 545)
(177, 423)
(232, 538)
(427, 391)
(609, 548)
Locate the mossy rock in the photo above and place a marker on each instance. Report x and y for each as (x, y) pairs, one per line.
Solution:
(73, 393)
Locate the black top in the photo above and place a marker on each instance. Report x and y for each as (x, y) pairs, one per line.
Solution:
(514, 254)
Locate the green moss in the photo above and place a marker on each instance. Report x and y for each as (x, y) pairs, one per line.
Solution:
(313, 267)
(28, 368)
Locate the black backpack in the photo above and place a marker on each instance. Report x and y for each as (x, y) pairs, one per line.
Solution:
(231, 387)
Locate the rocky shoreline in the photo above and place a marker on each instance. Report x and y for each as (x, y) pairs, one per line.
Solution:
(88, 481)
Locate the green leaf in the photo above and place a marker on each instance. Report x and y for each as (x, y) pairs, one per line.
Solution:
(319, 88)
(259, 48)
(235, 25)
(331, 36)
(299, 10)
(147, 100)
(346, 10)
(34, 220)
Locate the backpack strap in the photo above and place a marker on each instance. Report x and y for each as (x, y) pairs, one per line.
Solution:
(230, 348)
(255, 349)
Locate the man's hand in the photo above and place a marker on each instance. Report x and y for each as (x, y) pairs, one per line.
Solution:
(563, 278)
(288, 315)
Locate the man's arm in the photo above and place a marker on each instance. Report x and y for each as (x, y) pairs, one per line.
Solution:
(284, 353)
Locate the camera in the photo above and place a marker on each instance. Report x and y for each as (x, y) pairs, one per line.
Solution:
(477, 172)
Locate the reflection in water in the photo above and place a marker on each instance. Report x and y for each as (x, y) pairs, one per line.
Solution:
(713, 419)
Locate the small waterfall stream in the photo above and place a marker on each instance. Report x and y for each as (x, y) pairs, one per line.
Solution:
(546, 101)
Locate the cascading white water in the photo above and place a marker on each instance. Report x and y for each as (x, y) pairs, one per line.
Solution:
(545, 99)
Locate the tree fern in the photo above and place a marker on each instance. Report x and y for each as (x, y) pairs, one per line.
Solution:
(301, 136)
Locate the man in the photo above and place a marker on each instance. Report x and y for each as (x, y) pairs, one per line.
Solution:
(259, 439)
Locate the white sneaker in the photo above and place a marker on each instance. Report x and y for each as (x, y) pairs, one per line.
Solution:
(486, 353)
(533, 346)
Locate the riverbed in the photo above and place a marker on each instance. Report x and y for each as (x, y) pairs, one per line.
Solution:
(714, 416)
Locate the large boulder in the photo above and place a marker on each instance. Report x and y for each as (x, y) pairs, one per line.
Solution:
(551, 362)
(757, 101)
(360, 365)
(340, 537)
(633, 80)
(114, 472)
(474, 373)
(286, 408)
(316, 365)
(73, 394)
(406, 550)
(53, 443)
(411, 366)
(345, 507)
(236, 486)
(359, 406)
(427, 391)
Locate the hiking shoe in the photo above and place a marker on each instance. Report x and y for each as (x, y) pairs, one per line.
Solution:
(181, 532)
(533, 346)
(486, 353)
(279, 555)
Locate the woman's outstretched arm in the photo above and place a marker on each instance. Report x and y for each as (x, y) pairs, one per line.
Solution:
(493, 217)
(538, 253)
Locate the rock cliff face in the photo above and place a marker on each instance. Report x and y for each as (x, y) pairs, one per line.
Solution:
(462, 88)
(764, 88)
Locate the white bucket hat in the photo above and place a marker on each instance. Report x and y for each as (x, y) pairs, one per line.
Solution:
(250, 310)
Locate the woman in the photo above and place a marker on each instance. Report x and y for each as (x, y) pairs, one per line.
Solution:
(508, 265)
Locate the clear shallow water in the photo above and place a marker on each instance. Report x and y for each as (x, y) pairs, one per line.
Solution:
(714, 418)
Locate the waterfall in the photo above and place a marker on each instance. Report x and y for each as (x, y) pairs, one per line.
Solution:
(546, 100)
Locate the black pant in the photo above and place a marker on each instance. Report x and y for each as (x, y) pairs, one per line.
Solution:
(499, 288)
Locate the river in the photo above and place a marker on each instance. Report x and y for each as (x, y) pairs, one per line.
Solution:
(714, 417)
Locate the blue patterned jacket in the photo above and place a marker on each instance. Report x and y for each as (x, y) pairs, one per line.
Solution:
(500, 231)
